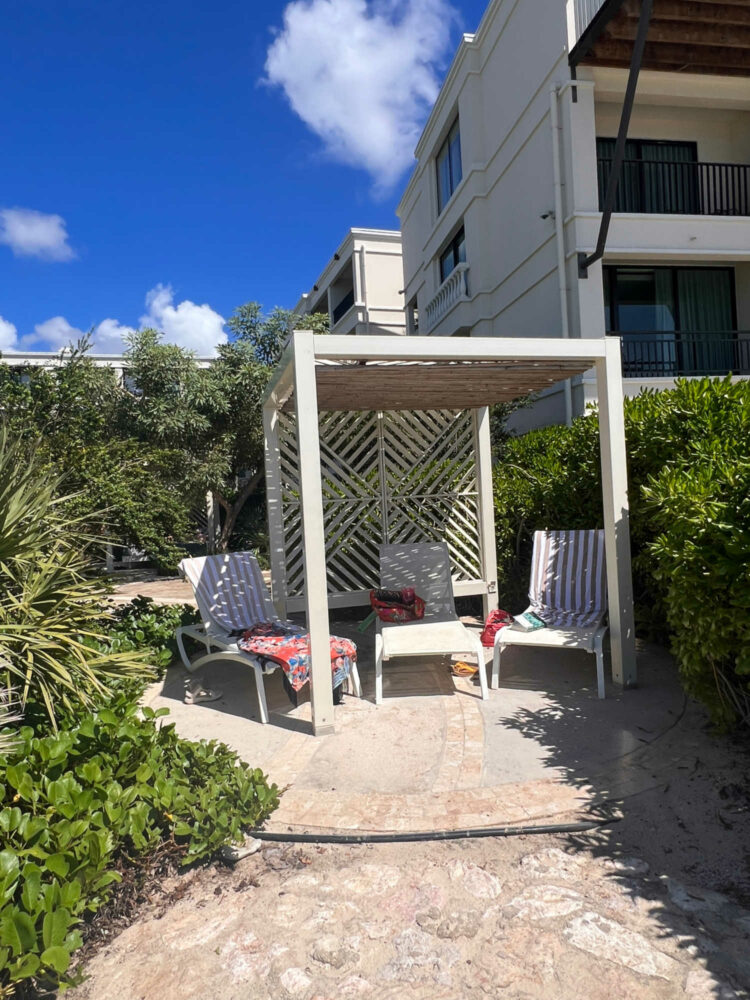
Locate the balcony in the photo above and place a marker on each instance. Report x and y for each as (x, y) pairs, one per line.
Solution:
(665, 187)
(343, 307)
(583, 13)
(454, 289)
(650, 354)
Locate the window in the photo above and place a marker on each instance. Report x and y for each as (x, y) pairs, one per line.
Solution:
(673, 320)
(454, 253)
(656, 176)
(449, 172)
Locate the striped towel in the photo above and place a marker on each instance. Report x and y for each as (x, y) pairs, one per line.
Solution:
(568, 587)
(230, 590)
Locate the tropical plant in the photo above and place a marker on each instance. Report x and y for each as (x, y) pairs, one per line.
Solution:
(117, 784)
(50, 606)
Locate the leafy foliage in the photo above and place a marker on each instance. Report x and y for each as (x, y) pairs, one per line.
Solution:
(689, 480)
(144, 625)
(117, 783)
(50, 606)
(700, 505)
(74, 418)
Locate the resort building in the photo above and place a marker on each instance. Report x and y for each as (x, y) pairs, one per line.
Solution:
(504, 210)
(361, 287)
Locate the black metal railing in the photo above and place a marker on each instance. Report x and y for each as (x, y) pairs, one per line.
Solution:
(650, 354)
(678, 188)
(344, 306)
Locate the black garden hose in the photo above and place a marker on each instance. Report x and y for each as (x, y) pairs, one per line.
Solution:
(427, 835)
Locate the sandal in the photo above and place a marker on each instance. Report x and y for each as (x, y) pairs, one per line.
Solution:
(196, 694)
(461, 669)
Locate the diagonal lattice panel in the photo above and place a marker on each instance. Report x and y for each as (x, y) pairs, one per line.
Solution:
(400, 476)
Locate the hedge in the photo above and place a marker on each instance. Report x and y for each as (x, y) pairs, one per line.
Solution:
(689, 480)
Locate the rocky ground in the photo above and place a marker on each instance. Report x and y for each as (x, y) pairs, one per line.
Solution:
(522, 917)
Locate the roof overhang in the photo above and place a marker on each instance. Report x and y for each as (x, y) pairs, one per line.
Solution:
(685, 36)
(425, 373)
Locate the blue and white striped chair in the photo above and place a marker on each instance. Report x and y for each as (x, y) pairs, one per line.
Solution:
(231, 595)
(568, 592)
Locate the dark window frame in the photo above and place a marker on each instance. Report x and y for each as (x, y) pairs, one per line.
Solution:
(612, 324)
(445, 148)
(452, 247)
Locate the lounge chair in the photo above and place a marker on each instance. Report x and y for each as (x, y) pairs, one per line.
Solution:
(231, 595)
(426, 567)
(568, 591)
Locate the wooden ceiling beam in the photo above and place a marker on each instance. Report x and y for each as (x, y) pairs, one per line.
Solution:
(683, 33)
(691, 11)
(658, 54)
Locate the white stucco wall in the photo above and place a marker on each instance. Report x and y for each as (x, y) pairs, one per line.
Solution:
(369, 262)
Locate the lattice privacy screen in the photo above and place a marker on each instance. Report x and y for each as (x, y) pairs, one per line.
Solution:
(399, 476)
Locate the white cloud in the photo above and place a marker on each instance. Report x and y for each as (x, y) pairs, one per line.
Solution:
(33, 234)
(196, 327)
(8, 335)
(362, 74)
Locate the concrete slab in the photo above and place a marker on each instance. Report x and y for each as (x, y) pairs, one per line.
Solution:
(433, 755)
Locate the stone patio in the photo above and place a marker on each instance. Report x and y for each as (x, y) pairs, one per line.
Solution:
(433, 756)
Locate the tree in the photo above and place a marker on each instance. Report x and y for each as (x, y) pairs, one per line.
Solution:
(73, 419)
(212, 416)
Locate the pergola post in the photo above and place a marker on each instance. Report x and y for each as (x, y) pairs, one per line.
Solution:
(616, 513)
(486, 507)
(274, 508)
(313, 532)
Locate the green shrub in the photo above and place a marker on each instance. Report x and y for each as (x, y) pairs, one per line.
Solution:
(688, 457)
(700, 505)
(117, 783)
(142, 624)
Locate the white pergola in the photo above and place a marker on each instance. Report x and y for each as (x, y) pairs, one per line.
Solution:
(346, 420)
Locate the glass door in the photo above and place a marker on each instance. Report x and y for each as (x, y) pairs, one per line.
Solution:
(640, 305)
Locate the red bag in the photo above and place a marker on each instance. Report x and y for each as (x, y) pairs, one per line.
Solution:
(397, 605)
(495, 621)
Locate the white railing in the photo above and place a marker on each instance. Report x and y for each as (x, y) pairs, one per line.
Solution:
(580, 15)
(454, 289)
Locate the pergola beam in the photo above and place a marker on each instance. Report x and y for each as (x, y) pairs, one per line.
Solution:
(534, 349)
(616, 514)
(313, 533)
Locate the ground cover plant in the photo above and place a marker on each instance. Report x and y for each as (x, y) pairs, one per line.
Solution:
(90, 783)
(114, 783)
(142, 624)
(689, 482)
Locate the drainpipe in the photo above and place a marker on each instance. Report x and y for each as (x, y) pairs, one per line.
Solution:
(560, 237)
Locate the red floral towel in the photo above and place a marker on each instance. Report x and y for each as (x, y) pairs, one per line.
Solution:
(288, 645)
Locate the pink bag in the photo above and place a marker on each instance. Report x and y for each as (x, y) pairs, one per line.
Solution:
(495, 621)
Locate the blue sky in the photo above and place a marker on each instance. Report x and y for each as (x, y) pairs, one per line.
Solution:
(149, 174)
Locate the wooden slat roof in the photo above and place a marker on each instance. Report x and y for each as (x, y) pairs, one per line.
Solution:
(427, 385)
(684, 36)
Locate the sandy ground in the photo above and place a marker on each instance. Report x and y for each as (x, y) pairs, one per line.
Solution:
(656, 905)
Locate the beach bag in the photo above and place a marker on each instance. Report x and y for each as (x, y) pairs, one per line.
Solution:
(495, 621)
(397, 606)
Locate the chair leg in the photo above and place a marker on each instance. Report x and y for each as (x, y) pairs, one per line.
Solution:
(599, 651)
(378, 669)
(181, 649)
(262, 705)
(482, 671)
(355, 681)
(496, 651)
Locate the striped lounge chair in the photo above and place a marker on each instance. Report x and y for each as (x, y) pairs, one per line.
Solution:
(568, 591)
(231, 595)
